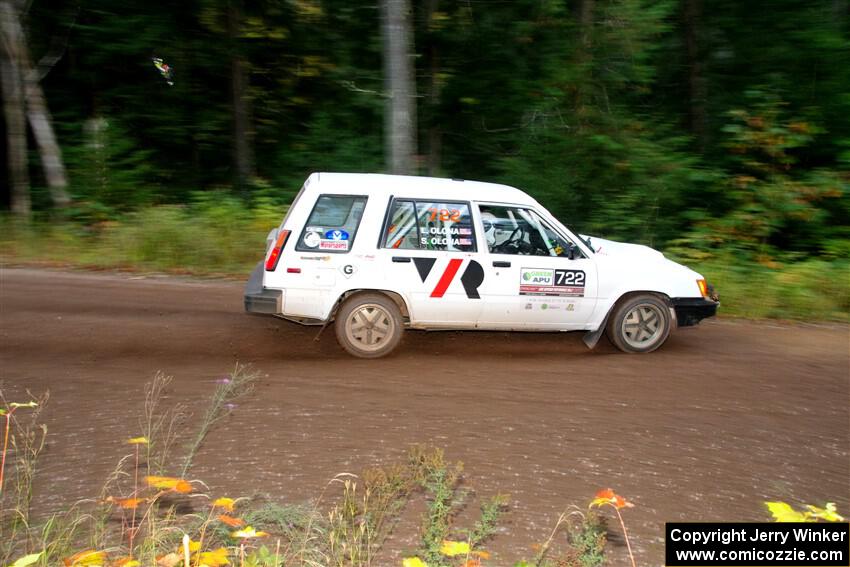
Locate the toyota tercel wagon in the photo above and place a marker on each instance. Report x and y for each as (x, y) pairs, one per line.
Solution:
(377, 254)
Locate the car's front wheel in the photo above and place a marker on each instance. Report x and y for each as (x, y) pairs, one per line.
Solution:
(639, 324)
(369, 325)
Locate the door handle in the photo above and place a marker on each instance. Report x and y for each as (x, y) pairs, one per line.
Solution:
(401, 259)
(501, 264)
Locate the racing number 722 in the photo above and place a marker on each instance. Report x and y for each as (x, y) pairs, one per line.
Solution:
(569, 278)
(444, 214)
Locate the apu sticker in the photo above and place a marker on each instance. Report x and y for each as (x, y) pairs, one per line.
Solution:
(545, 281)
(336, 235)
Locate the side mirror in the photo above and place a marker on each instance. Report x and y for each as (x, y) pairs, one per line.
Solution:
(574, 252)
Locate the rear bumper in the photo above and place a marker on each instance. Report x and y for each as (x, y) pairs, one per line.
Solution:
(261, 300)
(265, 302)
(692, 310)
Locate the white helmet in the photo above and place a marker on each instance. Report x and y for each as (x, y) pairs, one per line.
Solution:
(489, 222)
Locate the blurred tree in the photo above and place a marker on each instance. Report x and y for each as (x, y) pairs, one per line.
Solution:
(13, 107)
(400, 87)
(21, 86)
(243, 132)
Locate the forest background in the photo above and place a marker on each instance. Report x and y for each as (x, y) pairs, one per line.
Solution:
(718, 131)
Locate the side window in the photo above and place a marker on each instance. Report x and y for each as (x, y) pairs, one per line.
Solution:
(514, 230)
(430, 225)
(332, 224)
(402, 232)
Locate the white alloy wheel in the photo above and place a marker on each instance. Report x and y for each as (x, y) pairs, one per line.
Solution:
(369, 325)
(639, 324)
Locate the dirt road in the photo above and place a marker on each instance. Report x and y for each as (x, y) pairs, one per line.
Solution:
(724, 417)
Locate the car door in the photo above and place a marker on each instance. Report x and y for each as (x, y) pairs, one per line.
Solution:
(429, 254)
(535, 277)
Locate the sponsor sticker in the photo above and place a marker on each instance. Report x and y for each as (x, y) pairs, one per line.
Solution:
(551, 282)
(312, 239)
(341, 245)
(336, 234)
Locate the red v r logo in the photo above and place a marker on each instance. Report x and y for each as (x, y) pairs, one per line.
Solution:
(447, 277)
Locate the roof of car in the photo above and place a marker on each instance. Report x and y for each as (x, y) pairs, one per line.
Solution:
(417, 187)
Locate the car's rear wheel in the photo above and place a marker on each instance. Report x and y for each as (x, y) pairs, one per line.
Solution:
(639, 324)
(369, 325)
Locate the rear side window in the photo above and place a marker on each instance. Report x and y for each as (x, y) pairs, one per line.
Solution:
(332, 224)
(429, 225)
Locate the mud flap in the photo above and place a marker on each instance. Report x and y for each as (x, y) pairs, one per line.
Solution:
(330, 318)
(259, 300)
(255, 281)
(592, 337)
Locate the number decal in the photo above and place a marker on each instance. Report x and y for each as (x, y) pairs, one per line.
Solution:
(444, 214)
(569, 278)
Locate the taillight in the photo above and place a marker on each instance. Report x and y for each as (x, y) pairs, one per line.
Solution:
(703, 287)
(274, 255)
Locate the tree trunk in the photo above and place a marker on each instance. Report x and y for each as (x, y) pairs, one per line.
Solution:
(13, 107)
(585, 60)
(243, 153)
(696, 82)
(399, 84)
(435, 133)
(45, 137)
(586, 23)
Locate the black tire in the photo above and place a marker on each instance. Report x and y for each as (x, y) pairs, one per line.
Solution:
(369, 325)
(639, 324)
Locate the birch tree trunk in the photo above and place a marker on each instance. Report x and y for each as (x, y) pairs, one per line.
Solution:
(399, 84)
(42, 128)
(13, 107)
(36, 107)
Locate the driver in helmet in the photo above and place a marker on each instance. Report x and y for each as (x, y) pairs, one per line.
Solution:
(488, 219)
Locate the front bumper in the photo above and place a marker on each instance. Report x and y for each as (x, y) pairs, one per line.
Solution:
(692, 310)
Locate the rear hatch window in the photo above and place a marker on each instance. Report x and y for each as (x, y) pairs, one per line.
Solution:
(332, 224)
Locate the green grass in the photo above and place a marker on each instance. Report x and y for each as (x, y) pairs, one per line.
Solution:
(807, 290)
(224, 237)
(204, 238)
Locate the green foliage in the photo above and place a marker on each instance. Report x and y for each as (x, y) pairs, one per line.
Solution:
(630, 119)
(587, 540)
(110, 172)
(215, 234)
(485, 527)
(807, 289)
(441, 481)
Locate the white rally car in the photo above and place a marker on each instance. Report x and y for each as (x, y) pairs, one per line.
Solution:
(376, 254)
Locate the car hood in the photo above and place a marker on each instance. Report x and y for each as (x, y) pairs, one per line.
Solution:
(606, 247)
